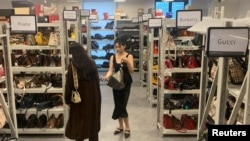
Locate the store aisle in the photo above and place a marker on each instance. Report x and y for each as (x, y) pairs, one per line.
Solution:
(142, 119)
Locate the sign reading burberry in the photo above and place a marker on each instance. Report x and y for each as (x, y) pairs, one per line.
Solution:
(188, 18)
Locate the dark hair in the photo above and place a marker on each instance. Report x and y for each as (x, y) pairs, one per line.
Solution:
(86, 67)
(121, 40)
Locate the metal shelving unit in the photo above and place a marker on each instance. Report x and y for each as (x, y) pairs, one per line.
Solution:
(164, 72)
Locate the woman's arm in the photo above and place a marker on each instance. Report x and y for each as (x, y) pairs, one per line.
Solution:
(110, 70)
(130, 62)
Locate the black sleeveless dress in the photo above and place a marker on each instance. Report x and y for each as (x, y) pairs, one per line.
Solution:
(121, 96)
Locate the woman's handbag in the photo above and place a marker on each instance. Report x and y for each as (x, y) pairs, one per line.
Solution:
(54, 39)
(75, 97)
(116, 80)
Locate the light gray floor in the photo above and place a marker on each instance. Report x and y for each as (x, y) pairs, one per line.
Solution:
(142, 119)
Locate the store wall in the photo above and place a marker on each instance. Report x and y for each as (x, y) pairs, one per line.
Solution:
(244, 8)
(232, 7)
(131, 6)
(201, 4)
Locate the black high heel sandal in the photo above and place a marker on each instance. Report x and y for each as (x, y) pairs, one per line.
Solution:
(127, 133)
(118, 131)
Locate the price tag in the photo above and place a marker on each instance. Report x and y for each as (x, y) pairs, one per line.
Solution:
(154, 22)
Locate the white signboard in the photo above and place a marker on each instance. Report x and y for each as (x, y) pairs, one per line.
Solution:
(227, 41)
(23, 24)
(69, 15)
(188, 18)
(85, 12)
(145, 17)
(154, 23)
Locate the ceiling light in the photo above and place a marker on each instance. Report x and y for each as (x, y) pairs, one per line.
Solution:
(119, 0)
(72, 0)
(167, 0)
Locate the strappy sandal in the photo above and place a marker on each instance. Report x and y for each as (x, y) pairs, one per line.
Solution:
(127, 133)
(118, 131)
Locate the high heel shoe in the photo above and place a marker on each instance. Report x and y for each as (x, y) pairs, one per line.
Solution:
(127, 133)
(118, 131)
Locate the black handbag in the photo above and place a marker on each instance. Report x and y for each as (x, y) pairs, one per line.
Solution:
(116, 81)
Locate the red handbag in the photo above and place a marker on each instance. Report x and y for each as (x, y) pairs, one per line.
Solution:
(167, 122)
(188, 122)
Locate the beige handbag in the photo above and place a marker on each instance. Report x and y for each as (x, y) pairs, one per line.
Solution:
(2, 117)
(54, 39)
(75, 96)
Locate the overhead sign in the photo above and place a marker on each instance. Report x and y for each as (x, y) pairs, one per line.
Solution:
(23, 24)
(69, 15)
(154, 22)
(188, 18)
(227, 41)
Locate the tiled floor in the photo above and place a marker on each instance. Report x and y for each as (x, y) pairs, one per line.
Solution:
(142, 120)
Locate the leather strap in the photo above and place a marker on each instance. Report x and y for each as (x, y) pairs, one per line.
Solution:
(75, 77)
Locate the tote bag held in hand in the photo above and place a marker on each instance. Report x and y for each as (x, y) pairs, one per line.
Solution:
(116, 80)
(75, 96)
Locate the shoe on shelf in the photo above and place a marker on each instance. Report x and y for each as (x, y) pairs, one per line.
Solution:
(118, 131)
(127, 133)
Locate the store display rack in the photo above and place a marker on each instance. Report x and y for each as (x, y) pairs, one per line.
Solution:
(143, 53)
(152, 71)
(166, 91)
(7, 104)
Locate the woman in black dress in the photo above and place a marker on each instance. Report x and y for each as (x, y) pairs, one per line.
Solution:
(121, 96)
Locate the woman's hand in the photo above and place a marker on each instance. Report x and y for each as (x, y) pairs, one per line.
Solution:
(104, 78)
(125, 60)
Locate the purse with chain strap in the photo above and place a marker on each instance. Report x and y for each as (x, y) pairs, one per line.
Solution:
(75, 97)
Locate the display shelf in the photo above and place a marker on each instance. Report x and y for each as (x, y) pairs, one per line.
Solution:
(125, 27)
(30, 70)
(152, 74)
(6, 101)
(48, 24)
(58, 109)
(164, 71)
(28, 47)
(98, 33)
(181, 111)
(36, 69)
(39, 90)
(143, 58)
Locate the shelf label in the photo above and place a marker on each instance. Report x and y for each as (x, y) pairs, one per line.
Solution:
(69, 15)
(23, 24)
(154, 22)
(188, 18)
(85, 12)
(227, 41)
(145, 17)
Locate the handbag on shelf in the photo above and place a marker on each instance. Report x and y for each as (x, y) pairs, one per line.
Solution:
(116, 80)
(54, 39)
(75, 96)
(170, 46)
